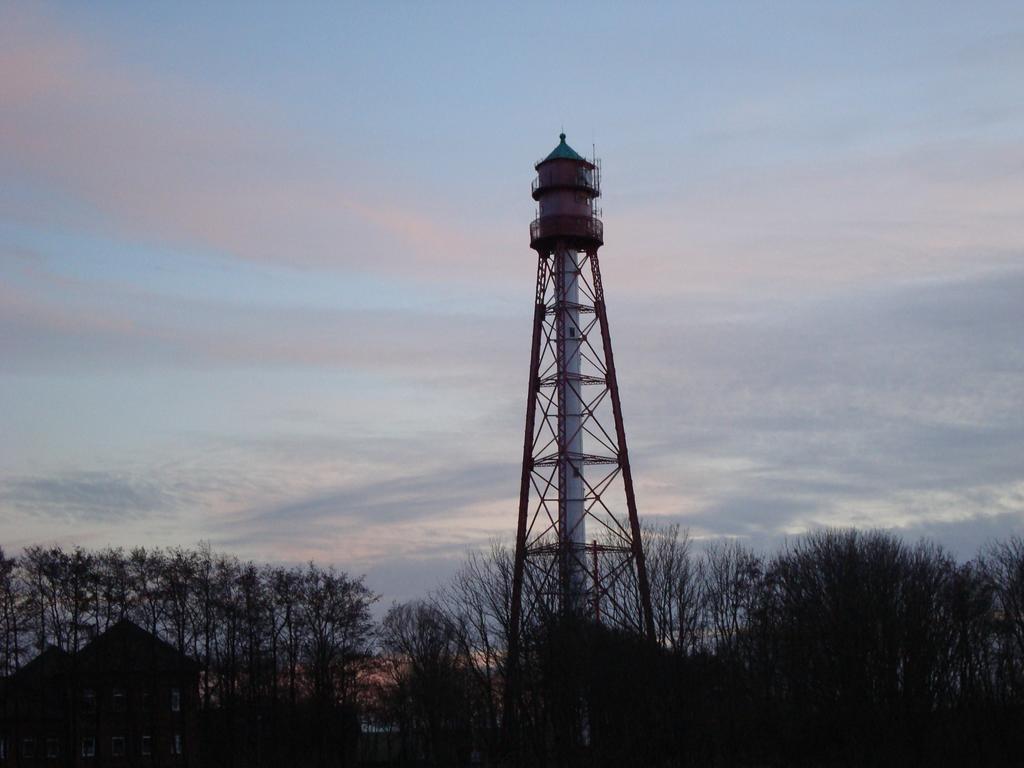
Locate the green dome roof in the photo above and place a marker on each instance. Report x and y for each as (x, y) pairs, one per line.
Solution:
(563, 152)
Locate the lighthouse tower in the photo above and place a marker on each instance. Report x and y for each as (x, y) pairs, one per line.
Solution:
(578, 548)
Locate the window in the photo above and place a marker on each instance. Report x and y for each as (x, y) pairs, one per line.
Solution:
(147, 700)
(3, 748)
(28, 748)
(117, 746)
(175, 700)
(147, 745)
(176, 744)
(89, 700)
(118, 700)
(53, 747)
(89, 746)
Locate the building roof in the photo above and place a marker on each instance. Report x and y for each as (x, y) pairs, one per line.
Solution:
(127, 647)
(52, 661)
(563, 152)
(123, 648)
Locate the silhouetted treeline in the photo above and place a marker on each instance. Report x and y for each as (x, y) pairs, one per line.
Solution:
(843, 648)
(279, 648)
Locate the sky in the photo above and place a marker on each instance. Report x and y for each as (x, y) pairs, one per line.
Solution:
(265, 277)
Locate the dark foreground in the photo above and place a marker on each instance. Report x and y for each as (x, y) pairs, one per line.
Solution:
(844, 649)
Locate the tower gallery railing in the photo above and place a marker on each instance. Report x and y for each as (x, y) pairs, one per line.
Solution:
(544, 227)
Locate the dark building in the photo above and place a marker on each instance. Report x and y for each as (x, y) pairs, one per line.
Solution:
(125, 699)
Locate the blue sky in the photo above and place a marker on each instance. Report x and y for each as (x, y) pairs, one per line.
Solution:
(265, 278)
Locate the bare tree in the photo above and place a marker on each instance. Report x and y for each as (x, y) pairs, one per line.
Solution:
(676, 588)
(1003, 566)
(430, 686)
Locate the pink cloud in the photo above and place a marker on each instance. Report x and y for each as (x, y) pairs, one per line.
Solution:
(123, 327)
(36, 312)
(158, 159)
(811, 227)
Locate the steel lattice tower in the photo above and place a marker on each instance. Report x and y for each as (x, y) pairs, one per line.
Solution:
(578, 546)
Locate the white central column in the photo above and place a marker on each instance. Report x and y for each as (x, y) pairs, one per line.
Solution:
(574, 535)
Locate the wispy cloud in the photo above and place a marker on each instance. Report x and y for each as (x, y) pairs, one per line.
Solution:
(142, 155)
(92, 497)
(955, 207)
(57, 324)
(813, 275)
(900, 407)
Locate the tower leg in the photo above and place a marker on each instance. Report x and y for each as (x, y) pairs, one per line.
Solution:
(512, 671)
(647, 618)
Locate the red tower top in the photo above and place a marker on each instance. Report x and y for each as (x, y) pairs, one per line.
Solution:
(565, 189)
